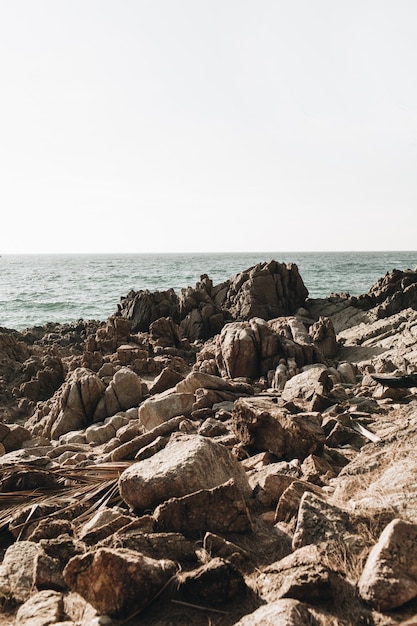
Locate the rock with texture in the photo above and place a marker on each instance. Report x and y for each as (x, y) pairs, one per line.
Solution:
(163, 406)
(222, 509)
(117, 582)
(187, 464)
(389, 578)
(262, 424)
(285, 612)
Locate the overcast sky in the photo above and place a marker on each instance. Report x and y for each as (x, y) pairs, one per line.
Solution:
(208, 125)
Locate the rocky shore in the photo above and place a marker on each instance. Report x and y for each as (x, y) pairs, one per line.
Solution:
(238, 454)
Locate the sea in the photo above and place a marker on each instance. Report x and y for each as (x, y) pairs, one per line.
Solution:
(42, 288)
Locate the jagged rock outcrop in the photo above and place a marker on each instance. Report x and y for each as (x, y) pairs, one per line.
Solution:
(321, 457)
(266, 290)
(396, 291)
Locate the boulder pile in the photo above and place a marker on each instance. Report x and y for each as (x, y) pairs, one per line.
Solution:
(222, 456)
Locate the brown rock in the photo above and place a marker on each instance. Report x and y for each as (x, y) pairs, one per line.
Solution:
(301, 575)
(389, 578)
(117, 581)
(214, 583)
(42, 609)
(263, 425)
(222, 509)
(285, 612)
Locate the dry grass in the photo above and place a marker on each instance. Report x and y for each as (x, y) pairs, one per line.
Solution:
(88, 488)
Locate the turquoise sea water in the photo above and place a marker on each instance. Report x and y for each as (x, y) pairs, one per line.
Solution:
(36, 289)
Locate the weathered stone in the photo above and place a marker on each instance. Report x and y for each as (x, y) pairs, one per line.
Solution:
(320, 522)
(42, 609)
(17, 571)
(389, 578)
(164, 332)
(221, 509)
(285, 612)
(289, 501)
(15, 437)
(200, 380)
(158, 545)
(271, 481)
(301, 575)
(127, 387)
(167, 379)
(263, 425)
(117, 581)
(247, 349)
(164, 406)
(144, 307)
(214, 583)
(130, 447)
(323, 336)
(105, 522)
(187, 464)
(303, 386)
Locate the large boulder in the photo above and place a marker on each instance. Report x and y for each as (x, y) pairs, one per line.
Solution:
(188, 463)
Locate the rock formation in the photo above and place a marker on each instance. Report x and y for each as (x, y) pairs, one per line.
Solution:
(227, 455)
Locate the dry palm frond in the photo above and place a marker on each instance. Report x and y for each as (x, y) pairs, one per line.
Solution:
(87, 488)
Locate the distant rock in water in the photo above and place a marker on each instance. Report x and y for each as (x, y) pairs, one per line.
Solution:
(266, 290)
(393, 293)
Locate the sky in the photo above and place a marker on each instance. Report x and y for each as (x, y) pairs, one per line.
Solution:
(208, 125)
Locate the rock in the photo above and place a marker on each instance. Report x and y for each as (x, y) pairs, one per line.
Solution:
(301, 575)
(200, 380)
(285, 612)
(72, 406)
(15, 437)
(393, 293)
(133, 446)
(142, 308)
(167, 379)
(289, 501)
(263, 425)
(221, 509)
(17, 571)
(271, 481)
(238, 351)
(321, 522)
(165, 333)
(163, 406)
(323, 336)
(104, 523)
(303, 386)
(42, 609)
(123, 392)
(187, 464)
(214, 583)
(158, 545)
(117, 582)
(389, 578)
